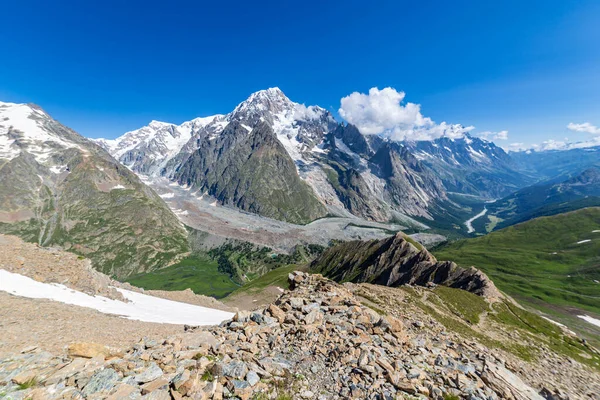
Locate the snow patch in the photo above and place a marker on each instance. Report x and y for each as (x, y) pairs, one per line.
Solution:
(584, 241)
(57, 169)
(140, 307)
(167, 195)
(589, 319)
(117, 187)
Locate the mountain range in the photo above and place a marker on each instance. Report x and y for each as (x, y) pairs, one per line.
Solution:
(270, 157)
(284, 160)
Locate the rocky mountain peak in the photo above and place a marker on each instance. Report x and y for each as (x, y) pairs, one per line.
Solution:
(270, 100)
(158, 124)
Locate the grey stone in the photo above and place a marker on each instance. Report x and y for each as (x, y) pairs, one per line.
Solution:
(235, 369)
(237, 384)
(151, 373)
(257, 317)
(296, 302)
(252, 378)
(102, 381)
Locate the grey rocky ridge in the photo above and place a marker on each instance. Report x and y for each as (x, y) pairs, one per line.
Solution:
(319, 340)
(396, 261)
(59, 188)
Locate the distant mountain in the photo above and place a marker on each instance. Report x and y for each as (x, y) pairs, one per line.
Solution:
(59, 188)
(147, 150)
(284, 160)
(471, 165)
(252, 171)
(544, 199)
(557, 164)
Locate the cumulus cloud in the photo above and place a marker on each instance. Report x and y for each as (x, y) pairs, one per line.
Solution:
(585, 127)
(551, 144)
(383, 112)
(502, 135)
(566, 144)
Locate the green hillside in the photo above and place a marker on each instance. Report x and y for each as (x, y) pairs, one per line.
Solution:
(552, 262)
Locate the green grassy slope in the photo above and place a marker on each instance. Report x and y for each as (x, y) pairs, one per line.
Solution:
(199, 273)
(223, 270)
(540, 261)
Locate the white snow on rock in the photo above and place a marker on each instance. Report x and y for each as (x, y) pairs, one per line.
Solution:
(117, 187)
(22, 127)
(584, 241)
(589, 319)
(160, 141)
(57, 169)
(140, 307)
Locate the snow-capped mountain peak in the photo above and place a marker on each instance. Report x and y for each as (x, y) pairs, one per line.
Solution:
(26, 127)
(148, 149)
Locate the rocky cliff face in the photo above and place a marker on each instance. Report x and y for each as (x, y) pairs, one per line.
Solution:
(396, 261)
(251, 170)
(58, 188)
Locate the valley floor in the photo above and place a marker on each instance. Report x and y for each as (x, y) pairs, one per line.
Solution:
(204, 214)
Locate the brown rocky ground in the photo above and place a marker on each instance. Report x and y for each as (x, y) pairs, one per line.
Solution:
(51, 326)
(317, 341)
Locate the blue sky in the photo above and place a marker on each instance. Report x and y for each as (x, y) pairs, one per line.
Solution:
(102, 68)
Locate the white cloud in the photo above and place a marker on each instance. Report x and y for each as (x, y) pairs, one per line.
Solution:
(502, 135)
(552, 144)
(382, 112)
(585, 127)
(517, 147)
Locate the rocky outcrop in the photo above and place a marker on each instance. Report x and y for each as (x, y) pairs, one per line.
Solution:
(316, 341)
(396, 261)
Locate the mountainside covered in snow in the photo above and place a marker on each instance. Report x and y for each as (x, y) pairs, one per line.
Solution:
(59, 188)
